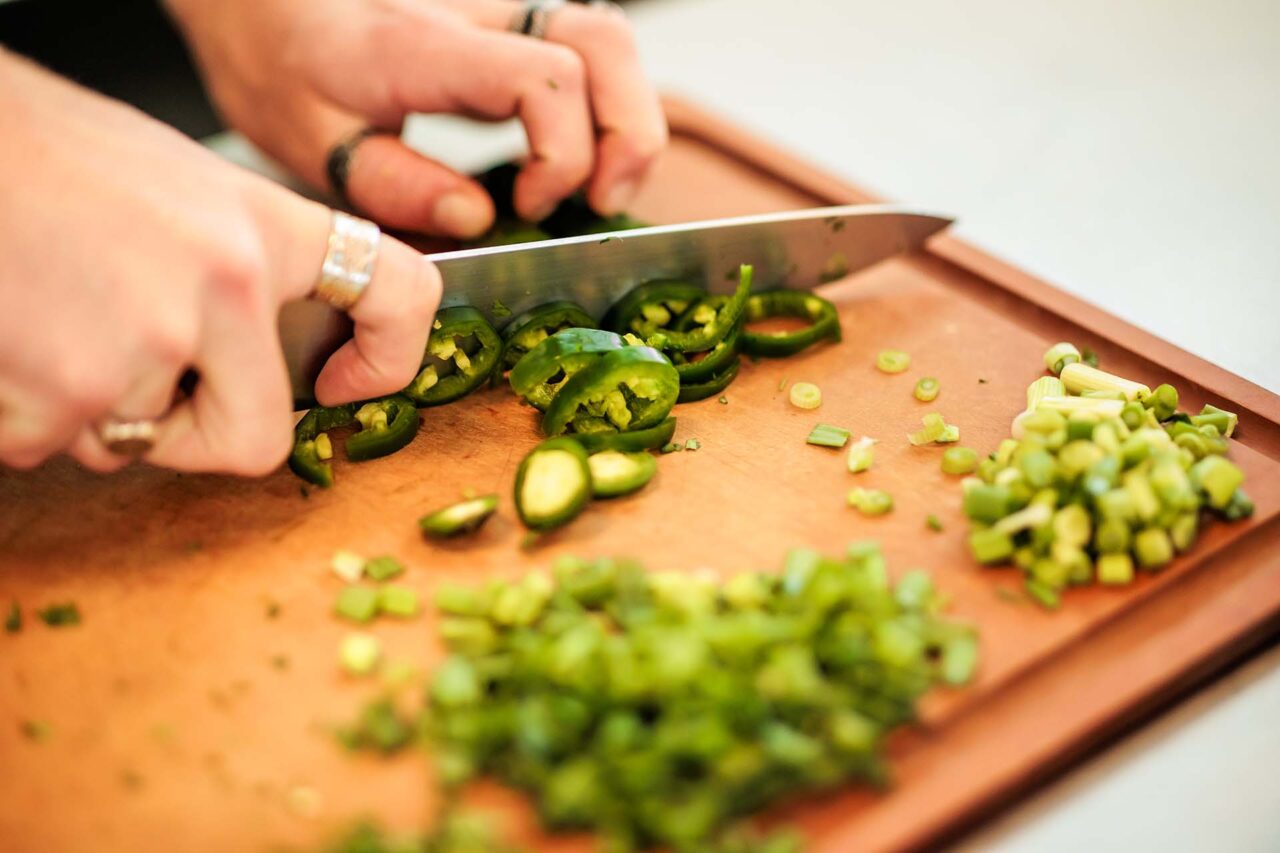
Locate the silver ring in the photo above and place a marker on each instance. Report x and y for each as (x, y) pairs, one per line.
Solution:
(132, 439)
(348, 261)
(532, 19)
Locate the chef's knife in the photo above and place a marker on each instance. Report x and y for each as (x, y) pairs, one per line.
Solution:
(794, 249)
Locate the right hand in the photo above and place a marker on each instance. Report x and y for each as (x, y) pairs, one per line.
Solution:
(130, 254)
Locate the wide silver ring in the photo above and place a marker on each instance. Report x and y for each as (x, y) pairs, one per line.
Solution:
(349, 260)
(532, 18)
(131, 439)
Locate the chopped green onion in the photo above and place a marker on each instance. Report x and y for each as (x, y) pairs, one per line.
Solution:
(357, 603)
(671, 447)
(1163, 401)
(360, 653)
(893, 361)
(950, 434)
(60, 615)
(724, 401)
(806, 395)
(926, 390)
(396, 600)
(1082, 377)
(1089, 357)
(347, 565)
(1153, 548)
(990, 546)
(987, 503)
(1217, 478)
(959, 460)
(692, 445)
(933, 522)
(1115, 569)
(935, 426)
(382, 568)
(1045, 594)
(870, 501)
(861, 455)
(826, 435)
(1059, 356)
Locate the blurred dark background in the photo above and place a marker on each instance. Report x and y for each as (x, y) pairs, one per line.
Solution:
(127, 49)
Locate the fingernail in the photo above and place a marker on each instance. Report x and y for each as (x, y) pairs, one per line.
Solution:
(461, 214)
(621, 195)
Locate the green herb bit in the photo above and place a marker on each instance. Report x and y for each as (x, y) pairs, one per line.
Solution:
(1059, 356)
(959, 460)
(36, 730)
(870, 501)
(397, 600)
(692, 445)
(782, 383)
(13, 622)
(935, 426)
(933, 522)
(926, 390)
(360, 653)
(357, 603)
(499, 310)
(826, 435)
(861, 455)
(724, 401)
(671, 447)
(60, 615)
(805, 395)
(382, 568)
(893, 361)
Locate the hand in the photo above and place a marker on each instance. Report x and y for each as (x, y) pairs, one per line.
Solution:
(131, 254)
(298, 78)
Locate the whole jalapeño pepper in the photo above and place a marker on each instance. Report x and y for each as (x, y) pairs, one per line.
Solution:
(461, 353)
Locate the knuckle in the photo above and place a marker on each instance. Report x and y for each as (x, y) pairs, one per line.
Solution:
(565, 66)
(237, 272)
(86, 388)
(170, 343)
(258, 453)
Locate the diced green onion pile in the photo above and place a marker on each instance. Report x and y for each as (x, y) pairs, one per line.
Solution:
(1102, 477)
(660, 708)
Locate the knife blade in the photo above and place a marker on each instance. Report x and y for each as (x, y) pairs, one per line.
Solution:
(792, 249)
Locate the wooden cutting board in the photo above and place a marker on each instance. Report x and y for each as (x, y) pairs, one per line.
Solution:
(183, 715)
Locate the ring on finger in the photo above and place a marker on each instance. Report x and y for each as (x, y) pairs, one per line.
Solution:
(128, 438)
(532, 18)
(349, 260)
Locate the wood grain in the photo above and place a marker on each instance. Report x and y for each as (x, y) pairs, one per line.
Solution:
(173, 727)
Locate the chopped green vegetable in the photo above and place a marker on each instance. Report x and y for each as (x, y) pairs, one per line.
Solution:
(357, 603)
(1089, 357)
(398, 600)
(671, 447)
(1082, 377)
(692, 444)
(959, 460)
(870, 501)
(826, 435)
(360, 653)
(383, 568)
(1217, 478)
(614, 474)
(380, 727)
(499, 310)
(893, 361)
(806, 395)
(1115, 569)
(60, 615)
(462, 517)
(861, 455)
(660, 708)
(724, 401)
(1059, 356)
(13, 621)
(933, 522)
(347, 565)
(935, 426)
(926, 390)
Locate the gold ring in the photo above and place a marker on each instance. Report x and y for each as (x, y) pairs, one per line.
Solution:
(131, 439)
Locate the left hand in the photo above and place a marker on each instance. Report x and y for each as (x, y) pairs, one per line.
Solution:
(298, 78)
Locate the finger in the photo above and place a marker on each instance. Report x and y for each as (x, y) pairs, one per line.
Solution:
(476, 72)
(400, 188)
(392, 323)
(628, 113)
(238, 421)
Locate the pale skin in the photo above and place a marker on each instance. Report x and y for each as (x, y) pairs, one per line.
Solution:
(130, 254)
